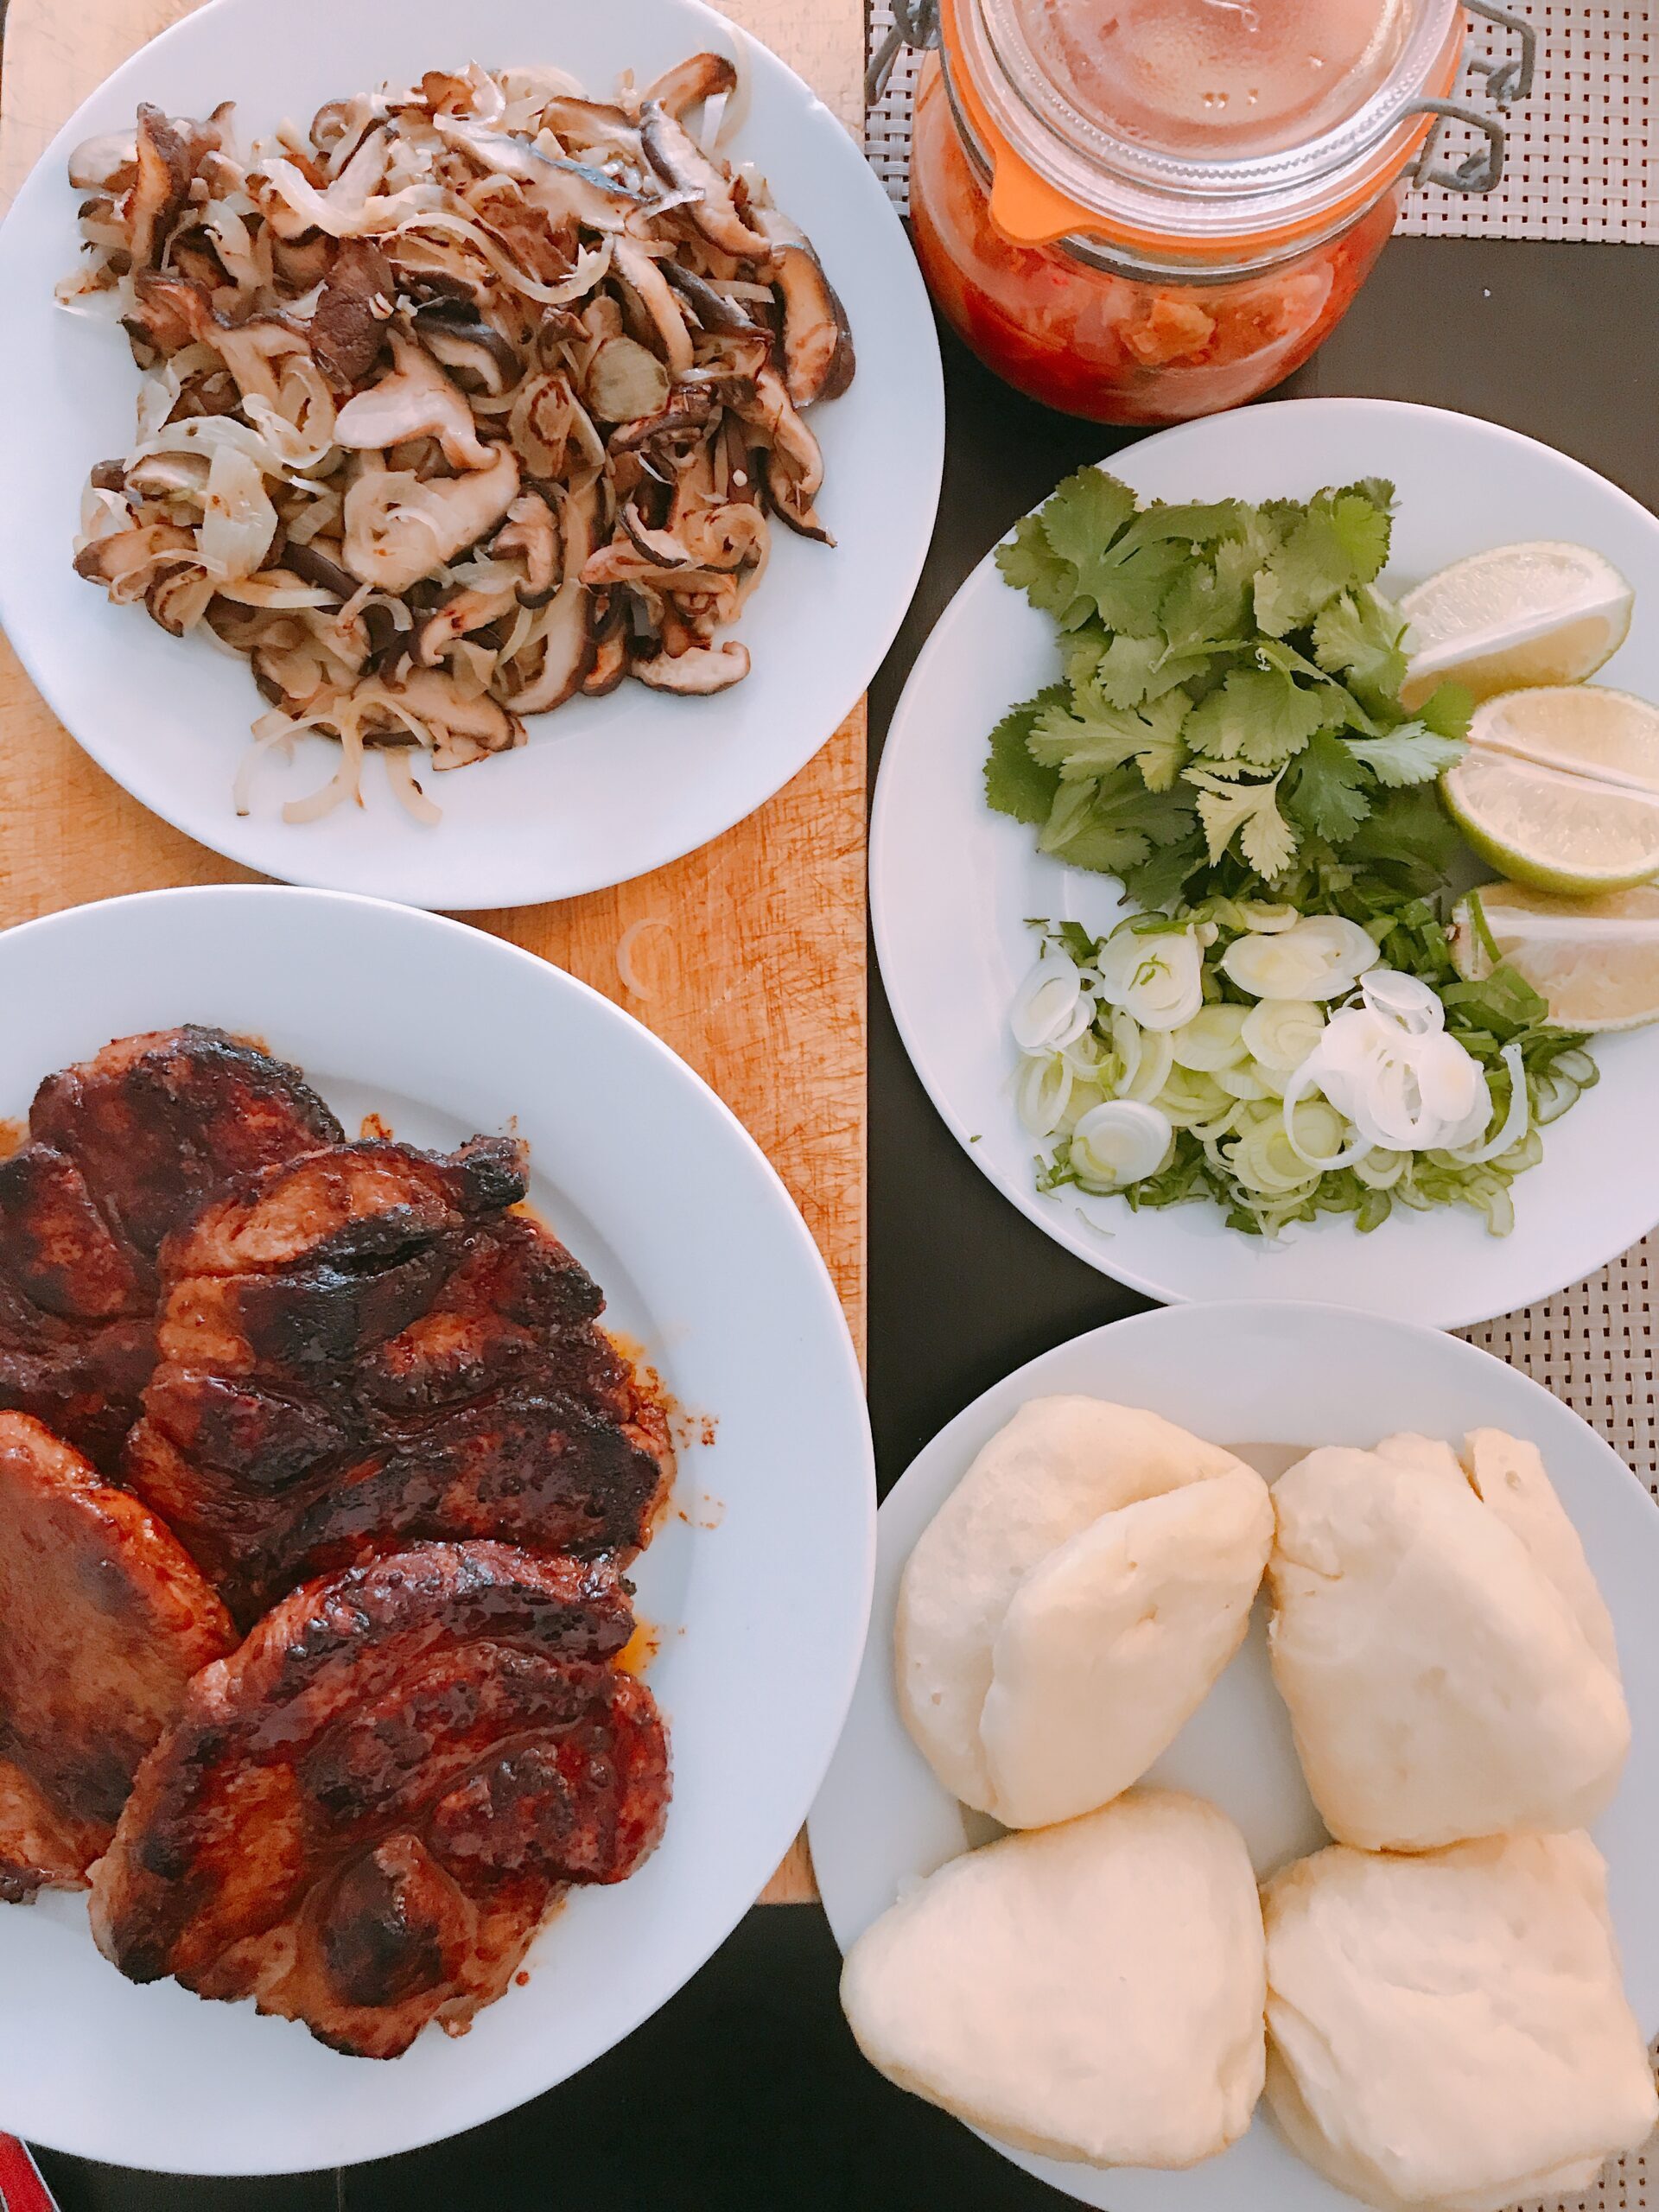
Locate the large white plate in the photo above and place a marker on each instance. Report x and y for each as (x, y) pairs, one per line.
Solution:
(607, 788)
(1252, 1377)
(759, 1584)
(951, 883)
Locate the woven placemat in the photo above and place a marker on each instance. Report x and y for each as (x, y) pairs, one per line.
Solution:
(1580, 161)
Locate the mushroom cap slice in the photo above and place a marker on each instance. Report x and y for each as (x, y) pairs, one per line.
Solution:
(681, 163)
(463, 729)
(818, 340)
(699, 77)
(348, 330)
(416, 401)
(398, 530)
(701, 670)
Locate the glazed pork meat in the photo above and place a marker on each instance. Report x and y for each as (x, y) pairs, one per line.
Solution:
(366, 1812)
(122, 1150)
(368, 1346)
(104, 1619)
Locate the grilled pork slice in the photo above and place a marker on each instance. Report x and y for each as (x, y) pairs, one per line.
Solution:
(122, 1150)
(365, 1814)
(156, 1122)
(366, 1346)
(104, 1619)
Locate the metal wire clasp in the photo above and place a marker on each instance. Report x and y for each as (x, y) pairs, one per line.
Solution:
(915, 24)
(1508, 77)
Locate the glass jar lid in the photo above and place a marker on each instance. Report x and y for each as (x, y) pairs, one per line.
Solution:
(1196, 120)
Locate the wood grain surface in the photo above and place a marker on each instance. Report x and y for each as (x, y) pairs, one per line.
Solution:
(756, 973)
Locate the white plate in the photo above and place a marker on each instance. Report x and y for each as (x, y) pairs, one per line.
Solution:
(1248, 1376)
(759, 1584)
(951, 883)
(606, 789)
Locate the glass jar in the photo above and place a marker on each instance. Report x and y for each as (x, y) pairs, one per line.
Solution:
(1144, 252)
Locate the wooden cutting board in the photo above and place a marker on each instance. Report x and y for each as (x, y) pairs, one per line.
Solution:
(757, 977)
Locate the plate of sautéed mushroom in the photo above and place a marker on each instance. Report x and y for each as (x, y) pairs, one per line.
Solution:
(556, 402)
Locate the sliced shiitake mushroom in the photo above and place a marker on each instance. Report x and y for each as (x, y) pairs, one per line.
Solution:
(624, 382)
(313, 566)
(609, 628)
(105, 165)
(817, 340)
(474, 351)
(699, 77)
(348, 330)
(460, 615)
(712, 310)
(416, 401)
(531, 534)
(398, 530)
(640, 273)
(179, 597)
(463, 729)
(168, 475)
(680, 162)
(701, 670)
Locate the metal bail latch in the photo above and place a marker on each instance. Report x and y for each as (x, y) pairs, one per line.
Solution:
(915, 24)
(1508, 77)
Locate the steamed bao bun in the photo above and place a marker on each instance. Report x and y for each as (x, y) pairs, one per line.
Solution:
(1445, 1654)
(1092, 1992)
(1449, 2030)
(1071, 1603)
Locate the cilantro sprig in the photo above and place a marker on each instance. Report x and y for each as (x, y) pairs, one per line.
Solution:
(1231, 713)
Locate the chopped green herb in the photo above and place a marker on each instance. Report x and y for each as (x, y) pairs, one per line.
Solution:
(1230, 714)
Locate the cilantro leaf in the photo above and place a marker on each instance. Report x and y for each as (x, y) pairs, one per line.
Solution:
(1325, 791)
(1162, 876)
(1342, 540)
(1377, 489)
(1206, 609)
(1195, 523)
(1166, 750)
(1083, 515)
(1091, 738)
(1015, 783)
(1340, 704)
(1359, 516)
(1128, 583)
(1411, 831)
(1030, 564)
(1248, 812)
(1447, 710)
(1083, 650)
(1261, 716)
(1132, 671)
(1358, 636)
(1409, 753)
(1125, 671)
(1232, 710)
(1112, 825)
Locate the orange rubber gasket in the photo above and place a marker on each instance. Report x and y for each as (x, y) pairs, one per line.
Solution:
(1028, 211)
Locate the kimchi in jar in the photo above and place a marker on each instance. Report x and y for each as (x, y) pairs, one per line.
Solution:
(1144, 209)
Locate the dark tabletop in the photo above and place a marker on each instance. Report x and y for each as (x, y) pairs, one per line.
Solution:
(746, 2091)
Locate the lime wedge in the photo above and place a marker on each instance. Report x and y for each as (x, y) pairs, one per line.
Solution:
(1556, 832)
(1518, 615)
(1584, 728)
(1595, 960)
